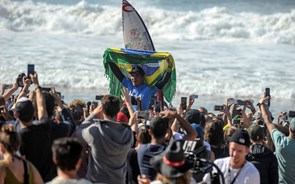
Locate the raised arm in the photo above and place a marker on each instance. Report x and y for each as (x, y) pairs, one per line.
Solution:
(116, 71)
(265, 115)
(191, 133)
(40, 101)
(10, 91)
(65, 114)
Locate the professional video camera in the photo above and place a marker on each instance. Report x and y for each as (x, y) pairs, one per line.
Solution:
(197, 154)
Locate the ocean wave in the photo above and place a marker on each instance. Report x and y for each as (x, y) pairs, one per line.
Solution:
(217, 23)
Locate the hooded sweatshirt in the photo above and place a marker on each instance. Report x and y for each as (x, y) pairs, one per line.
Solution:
(110, 143)
(265, 161)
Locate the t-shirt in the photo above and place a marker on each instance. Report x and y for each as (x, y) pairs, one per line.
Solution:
(248, 174)
(37, 139)
(285, 151)
(143, 91)
(58, 180)
(144, 154)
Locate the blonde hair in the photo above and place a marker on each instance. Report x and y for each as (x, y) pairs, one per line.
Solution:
(10, 139)
(184, 179)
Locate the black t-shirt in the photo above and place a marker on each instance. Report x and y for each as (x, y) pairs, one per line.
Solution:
(37, 140)
(36, 147)
(144, 155)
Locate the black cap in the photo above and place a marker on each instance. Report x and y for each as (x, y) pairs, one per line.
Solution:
(193, 116)
(137, 69)
(256, 131)
(241, 137)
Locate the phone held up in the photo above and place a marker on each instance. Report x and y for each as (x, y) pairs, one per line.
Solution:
(192, 97)
(267, 93)
(98, 97)
(157, 106)
(218, 107)
(31, 69)
(183, 103)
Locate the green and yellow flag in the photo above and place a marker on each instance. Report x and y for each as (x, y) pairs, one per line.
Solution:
(153, 63)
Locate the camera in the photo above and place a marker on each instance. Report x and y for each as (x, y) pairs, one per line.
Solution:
(183, 102)
(218, 107)
(19, 79)
(98, 97)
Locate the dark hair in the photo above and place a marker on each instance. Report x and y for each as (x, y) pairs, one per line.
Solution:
(110, 105)
(67, 152)
(143, 135)
(50, 104)
(25, 110)
(9, 139)
(159, 126)
(214, 132)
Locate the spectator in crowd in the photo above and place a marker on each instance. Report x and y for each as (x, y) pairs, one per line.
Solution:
(13, 168)
(110, 142)
(37, 138)
(284, 145)
(67, 157)
(262, 157)
(235, 168)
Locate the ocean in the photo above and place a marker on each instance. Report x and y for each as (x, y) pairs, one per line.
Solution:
(222, 48)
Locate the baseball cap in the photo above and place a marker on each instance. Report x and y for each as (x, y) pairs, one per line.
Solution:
(256, 131)
(241, 137)
(193, 116)
(137, 69)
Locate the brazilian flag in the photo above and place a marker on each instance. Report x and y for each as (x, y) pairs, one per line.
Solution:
(153, 63)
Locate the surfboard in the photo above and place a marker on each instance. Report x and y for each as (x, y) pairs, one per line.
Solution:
(135, 33)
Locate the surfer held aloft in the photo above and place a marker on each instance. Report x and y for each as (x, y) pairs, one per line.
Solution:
(136, 84)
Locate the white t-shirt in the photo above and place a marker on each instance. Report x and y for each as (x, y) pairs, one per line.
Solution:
(58, 180)
(248, 174)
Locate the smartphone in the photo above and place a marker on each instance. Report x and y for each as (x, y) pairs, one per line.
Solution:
(218, 108)
(8, 86)
(291, 114)
(31, 69)
(62, 97)
(192, 97)
(267, 93)
(183, 102)
(98, 97)
(241, 102)
(152, 102)
(157, 107)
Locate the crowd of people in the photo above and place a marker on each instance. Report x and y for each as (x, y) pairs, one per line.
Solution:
(45, 140)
